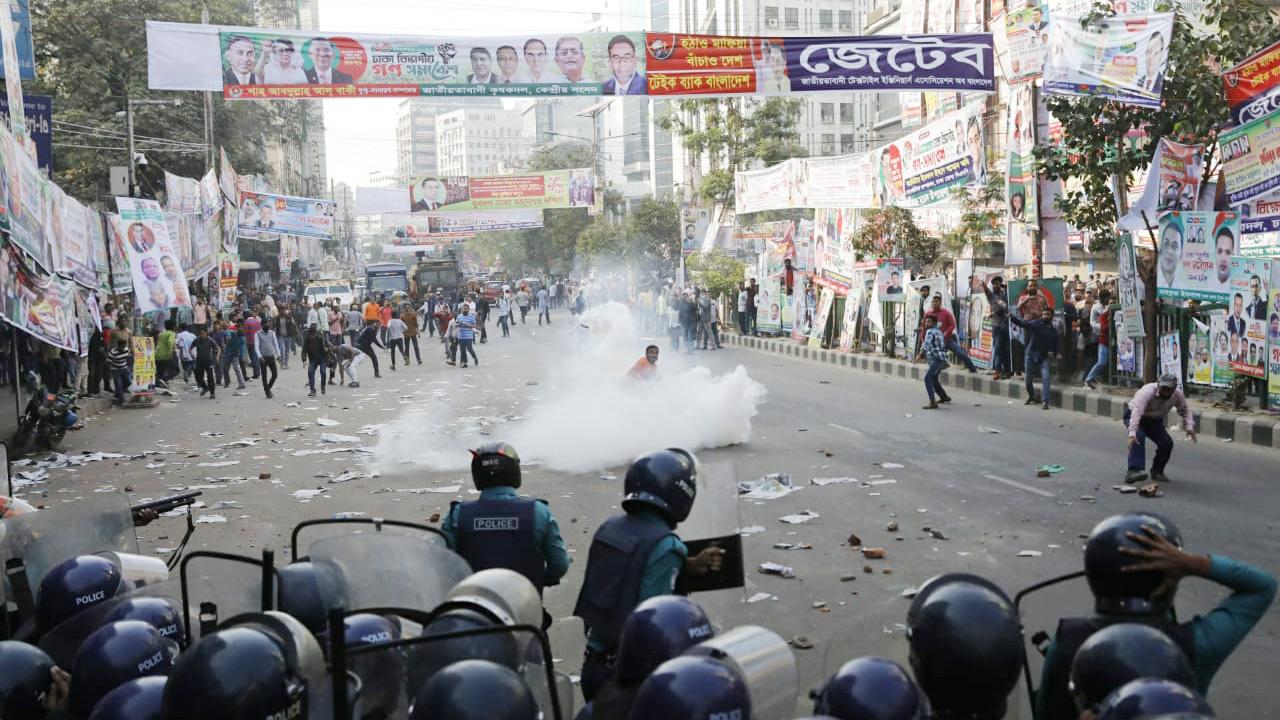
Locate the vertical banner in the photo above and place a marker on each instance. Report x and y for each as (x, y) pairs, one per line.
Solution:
(853, 310)
(1273, 350)
(1022, 187)
(1173, 184)
(13, 78)
(1247, 316)
(1127, 285)
(1128, 349)
(144, 362)
(769, 305)
(158, 280)
(833, 253)
(941, 19)
(1199, 355)
(228, 279)
(693, 228)
(889, 280)
(1171, 356)
(819, 329)
(1220, 353)
(1027, 38)
(1195, 254)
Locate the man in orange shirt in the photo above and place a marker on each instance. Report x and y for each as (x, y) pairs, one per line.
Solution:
(384, 318)
(646, 368)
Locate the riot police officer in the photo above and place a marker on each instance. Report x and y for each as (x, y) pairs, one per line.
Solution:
(502, 529)
(693, 687)
(475, 690)
(1133, 563)
(637, 555)
(30, 684)
(1151, 698)
(113, 655)
(140, 699)
(871, 688)
(1121, 653)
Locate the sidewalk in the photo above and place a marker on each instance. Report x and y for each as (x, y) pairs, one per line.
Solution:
(1254, 429)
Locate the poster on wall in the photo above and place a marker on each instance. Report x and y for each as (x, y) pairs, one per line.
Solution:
(1128, 349)
(889, 286)
(1026, 34)
(1248, 155)
(1196, 249)
(818, 330)
(158, 280)
(144, 363)
(1221, 352)
(833, 253)
(1121, 58)
(1199, 354)
(924, 167)
(769, 305)
(228, 279)
(1171, 356)
(36, 302)
(1022, 192)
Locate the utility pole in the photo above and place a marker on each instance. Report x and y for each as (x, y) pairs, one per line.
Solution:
(128, 122)
(208, 108)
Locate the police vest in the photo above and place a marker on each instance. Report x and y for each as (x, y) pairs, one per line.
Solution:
(500, 534)
(615, 570)
(1072, 633)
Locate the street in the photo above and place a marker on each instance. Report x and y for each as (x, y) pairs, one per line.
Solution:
(967, 471)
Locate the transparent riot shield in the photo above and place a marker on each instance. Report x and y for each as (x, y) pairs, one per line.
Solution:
(100, 522)
(309, 531)
(715, 522)
(216, 586)
(1040, 607)
(391, 570)
(385, 680)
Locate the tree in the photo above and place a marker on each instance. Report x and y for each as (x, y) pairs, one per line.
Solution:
(653, 235)
(981, 213)
(602, 243)
(718, 272)
(1097, 152)
(890, 231)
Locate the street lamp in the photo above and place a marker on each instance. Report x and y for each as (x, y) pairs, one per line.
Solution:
(128, 121)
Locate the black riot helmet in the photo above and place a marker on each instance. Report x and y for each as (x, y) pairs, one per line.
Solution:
(1150, 698)
(308, 591)
(495, 465)
(75, 585)
(1123, 652)
(692, 687)
(475, 690)
(162, 613)
(966, 646)
(426, 659)
(140, 699)
(1114, 590)
(666, 480)
(113, 655)
(659, 629)
(381, 673)
(871, 688)
(24, 680)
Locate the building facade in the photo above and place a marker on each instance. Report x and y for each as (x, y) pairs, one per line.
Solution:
(479, 141)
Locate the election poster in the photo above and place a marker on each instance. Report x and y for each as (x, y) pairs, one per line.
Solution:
(478, 221)
(1199, 355)
(1248, 350)
(228, 278)
(36, 302)
(774, 188)
(121, 274)
(693, 228)
(819, 328)
(266, 216)
(1253, 86)
(71, 230)
(833, 252)
(204, 239)
(20, 12)
(1273, 351)
(25, 194)
(1250, 283)
(1172, 183)
(1260, 227)
(210, 196)
(1128, 349)
(854, 311)
(39, 115)
(99, 246)
(158, 280)
(889, 280)
(144, 363)
(1195, 255)
(769, 300)
(1248, 155)
(1026, 37)
(924, 167)
(1247, 316)
(1022, 190)
(1127, 288)
(1121, 58)
(1171, 356)
(1220, 338)
(182, 193)
(803, 261)
(535, 191)
(835, 182)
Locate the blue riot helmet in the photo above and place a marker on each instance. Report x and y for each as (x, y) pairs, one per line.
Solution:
(75, 585)
(1118, 654)
(24, 680)
(475, 690)
(1114, 590)
(666, 480)
(381, 673)
(140, 699)
(113, 655)
(426, 659)
(162, 613)
(966, 646)
(1149, 697)
(659, 629)
(871, 688)
(692, 687)
(365, 629)
(308, 591)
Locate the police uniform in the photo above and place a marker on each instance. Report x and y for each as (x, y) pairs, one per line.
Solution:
(1207, 640)
(504, 530)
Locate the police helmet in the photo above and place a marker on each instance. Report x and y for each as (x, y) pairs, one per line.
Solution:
(308, 591)
(427, 658)
(258, 665)
(692, 687)
(659, 629)
(381, 673)
(1114, 590)
(364, 629)
(504, 594)
(75, 585)
(113, 655)
(24, 680)
(140, 699)
(966, 645)
(162, 613)
(475, 690)
(495, 465)
(1120, 653)
(871, 688)
(1149, 697)
(666, 480)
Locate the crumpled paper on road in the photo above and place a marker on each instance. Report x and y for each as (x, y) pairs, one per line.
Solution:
(769, 487)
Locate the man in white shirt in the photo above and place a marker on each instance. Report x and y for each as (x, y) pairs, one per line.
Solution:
(535, 56)
(571, 58)
(321, 71)
(279, 66)
(185, 341)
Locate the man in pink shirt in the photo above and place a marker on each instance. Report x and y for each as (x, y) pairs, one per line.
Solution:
(947, 324)
(1145, 418)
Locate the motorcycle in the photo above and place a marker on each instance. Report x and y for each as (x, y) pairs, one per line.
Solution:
(46, 418)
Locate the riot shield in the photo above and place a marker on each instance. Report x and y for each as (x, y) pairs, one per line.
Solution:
(391, 570)
(714, 521)
(1040, 607)
(218, 586)
(309, 531)
(100, 522)
(384, 680)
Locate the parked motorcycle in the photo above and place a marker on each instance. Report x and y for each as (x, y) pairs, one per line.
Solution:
(46, 418)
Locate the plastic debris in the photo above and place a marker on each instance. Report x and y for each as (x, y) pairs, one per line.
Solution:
(1125, 489)
(221, 463)
(1030, 553)
(211, 519)
(770, 568)
(1050, 469)
(872, 553)
(989, 430)
(833, 481)
(803, 516)
(349, 475)
(769, 487)
(326, 422)
(792, 546)
(337, 438)
(751, 530)
(759, 596)
(910, 592)
(307, 493)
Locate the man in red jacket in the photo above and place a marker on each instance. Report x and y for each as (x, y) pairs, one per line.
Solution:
(947, 324)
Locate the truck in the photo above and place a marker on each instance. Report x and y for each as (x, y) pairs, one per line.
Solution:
(323, 291)
(438, 271)
(385, 278)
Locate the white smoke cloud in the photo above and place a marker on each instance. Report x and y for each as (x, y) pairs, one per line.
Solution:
(589, 416)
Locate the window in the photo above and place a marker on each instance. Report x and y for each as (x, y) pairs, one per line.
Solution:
(846, 112)
(771, 16)
(828, 144)
(792, 17)
(846, 19)
(828, 112)
(846, 143)
(825, 19)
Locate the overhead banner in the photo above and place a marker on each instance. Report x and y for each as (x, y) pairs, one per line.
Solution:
(1026, 38)
(776, 187)
(24, 192)
(536, 191)
(1249, 155)
(836, 182)
(40, 304)
(261, 64)
(266, 216)
(158, 280)
(1022, 192)
(1195, 254)
(1260, 227)
(925, 167)
(1121, 58)
(1253, 87)
(1173, 183)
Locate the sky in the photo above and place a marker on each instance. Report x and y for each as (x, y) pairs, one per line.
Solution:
(360, 133)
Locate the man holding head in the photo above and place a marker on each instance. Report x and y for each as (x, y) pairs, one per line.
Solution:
(322, 71)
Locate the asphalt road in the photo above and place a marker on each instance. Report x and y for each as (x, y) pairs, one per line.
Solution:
(978, 488)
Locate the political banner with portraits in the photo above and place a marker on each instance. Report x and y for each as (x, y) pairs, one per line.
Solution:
(770, 301)
(834, 256)
(182, 193)
(210, 195)
(228, 279)
(1120, 58)
(1247, 314)
(95, 228)
(121, 274)
(776, 187)
(1194, 259)
(1273, 350)
(693, 228)
(1252, 87)
(1022, 191)
(1172, 184)
(1248, 155)
(478, 221)
(1199, 354)
(265, 216)
(1127, 288)
(405, 233)
(24, 187)
(818, 330)
(1026, 33)
(1220, 350)
(926, 166)
(1171, 355)
(158, 280)
(534, 191)
(34, 301)
(889, 281)
(70, 233)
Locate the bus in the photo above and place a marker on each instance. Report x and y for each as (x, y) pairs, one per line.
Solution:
(385, 278)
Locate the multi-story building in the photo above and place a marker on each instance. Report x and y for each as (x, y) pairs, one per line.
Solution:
(296, 155)
(479, 141)
(388, 179)
(416, 145)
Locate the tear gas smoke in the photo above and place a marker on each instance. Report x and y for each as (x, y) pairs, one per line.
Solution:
(589, 415)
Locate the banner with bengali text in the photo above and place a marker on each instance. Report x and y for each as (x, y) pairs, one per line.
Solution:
(535, 191)
(158, 280)
(1194, 260)
(265, 216)
(36, 302)
(1252, 88)
(1121, 58)
(1248, 155)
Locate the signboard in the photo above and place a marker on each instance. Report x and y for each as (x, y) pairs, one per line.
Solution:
(39, 112)
(889, 283)
(1253, 87)
(153, 260)
(1199, 355)
(266, 216)
(1022, 193)
(1127, 287)
(1194, 260)
(1249, 156)
(38, 303)
(228, 278)
(1121, 58)
(833, 247)
(546, 190)
(20, 12)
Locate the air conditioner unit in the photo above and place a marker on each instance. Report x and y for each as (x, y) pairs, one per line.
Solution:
(772, 22)
(846, 26)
